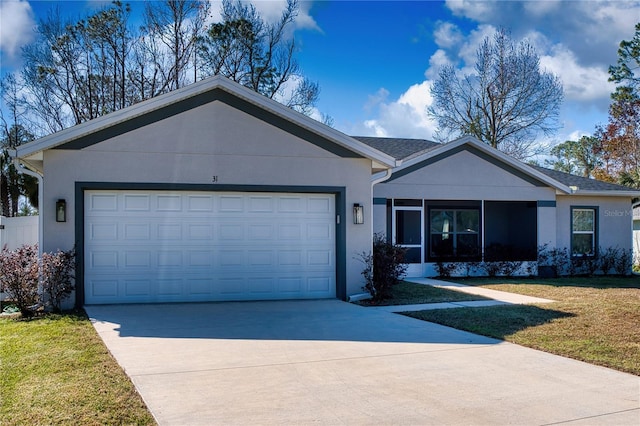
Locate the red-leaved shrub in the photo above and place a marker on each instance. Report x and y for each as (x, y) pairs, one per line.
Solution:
(19, 277)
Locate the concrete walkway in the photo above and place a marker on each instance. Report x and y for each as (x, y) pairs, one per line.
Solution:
(499, 297)
(329, 362)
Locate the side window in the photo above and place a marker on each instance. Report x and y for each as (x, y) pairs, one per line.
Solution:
(583, 231)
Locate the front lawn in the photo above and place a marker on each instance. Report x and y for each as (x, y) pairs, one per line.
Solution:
(596, 320)
(56, 370)
(407, 293)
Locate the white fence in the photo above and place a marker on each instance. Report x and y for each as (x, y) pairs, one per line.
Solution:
(18, 231)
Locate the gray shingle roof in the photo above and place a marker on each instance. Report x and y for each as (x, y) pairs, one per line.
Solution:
(399, 148)
(405, 149)
(581, 182)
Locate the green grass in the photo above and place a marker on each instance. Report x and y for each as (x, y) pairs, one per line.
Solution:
(596, 320)
(407, 293)
(56, 370)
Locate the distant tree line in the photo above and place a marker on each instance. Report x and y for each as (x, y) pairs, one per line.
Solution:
(612, 153)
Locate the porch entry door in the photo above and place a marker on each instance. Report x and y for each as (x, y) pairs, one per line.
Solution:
(408, 232)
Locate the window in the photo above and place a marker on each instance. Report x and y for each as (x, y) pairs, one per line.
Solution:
(454, 233)
(583, 231)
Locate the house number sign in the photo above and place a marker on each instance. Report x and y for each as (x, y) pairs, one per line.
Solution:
(214, 179)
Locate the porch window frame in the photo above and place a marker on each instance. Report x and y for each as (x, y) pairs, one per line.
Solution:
(593, 232)
(432, 257)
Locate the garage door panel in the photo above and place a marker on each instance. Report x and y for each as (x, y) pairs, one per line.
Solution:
(200, 203)
(103, 288)
(137, 203)
(104, 202)
(168, 203)
(319, 284)
(201, 246)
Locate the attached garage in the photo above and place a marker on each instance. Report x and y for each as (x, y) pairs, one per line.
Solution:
(212, 192)
(182, 246)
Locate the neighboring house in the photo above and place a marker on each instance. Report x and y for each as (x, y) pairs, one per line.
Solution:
(465, 201)
(214, 192)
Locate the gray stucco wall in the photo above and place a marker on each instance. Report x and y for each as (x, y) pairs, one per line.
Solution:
(192, 147)
(465, 176)
(614, 220)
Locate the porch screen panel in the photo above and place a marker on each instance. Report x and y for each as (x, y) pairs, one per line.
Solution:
(510, 230)
(454, 233)
(409, 232)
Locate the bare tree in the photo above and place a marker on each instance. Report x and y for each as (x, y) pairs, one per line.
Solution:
(257, 54)
(76, 71)
(79, 70)
(169, 37)
(507, 102)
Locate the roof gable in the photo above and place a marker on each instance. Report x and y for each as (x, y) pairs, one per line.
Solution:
(209, 90)
(431, 159)
(539, 176)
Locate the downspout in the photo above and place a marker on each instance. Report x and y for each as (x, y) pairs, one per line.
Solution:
(23, 170)
(374, 182)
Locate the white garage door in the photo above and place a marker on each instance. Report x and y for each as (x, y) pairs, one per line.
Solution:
(157, 246)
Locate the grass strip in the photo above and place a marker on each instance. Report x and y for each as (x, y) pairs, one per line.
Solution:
(56, 370)
(408, 293)
(593, 319)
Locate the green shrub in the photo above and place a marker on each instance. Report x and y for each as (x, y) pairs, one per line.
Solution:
(608, 258)
(384, 268)
(557, 259)
(445, 269)
(623, 262)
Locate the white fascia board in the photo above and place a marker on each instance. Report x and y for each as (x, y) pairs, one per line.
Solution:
(149, 105)
(470, 140)
(612, 193)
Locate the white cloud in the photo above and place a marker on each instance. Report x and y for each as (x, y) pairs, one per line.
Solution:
(542, 8)
(16, 27)
(475, 10)
(447, 34)
(404, 117)
(468, 50)
(581, 83)
(438, 60)
(462, 54)
(271, 12)
(376, 99)
(591, 29)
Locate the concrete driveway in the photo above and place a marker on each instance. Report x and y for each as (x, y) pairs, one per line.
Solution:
(329, 362)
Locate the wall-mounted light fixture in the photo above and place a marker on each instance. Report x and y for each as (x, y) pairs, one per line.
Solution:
(61, 211)
(358, 214)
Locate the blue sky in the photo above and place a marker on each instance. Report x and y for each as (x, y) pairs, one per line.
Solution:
(375, 60)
